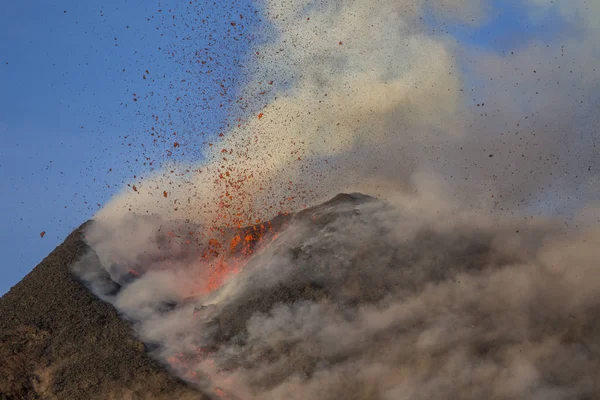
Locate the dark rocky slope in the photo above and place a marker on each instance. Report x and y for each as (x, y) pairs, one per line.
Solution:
(59, 341)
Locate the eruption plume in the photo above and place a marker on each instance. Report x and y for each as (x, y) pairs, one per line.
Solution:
(450, 288)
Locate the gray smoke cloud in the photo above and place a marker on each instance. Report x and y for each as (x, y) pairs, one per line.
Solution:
(361, 299)
(477, 278)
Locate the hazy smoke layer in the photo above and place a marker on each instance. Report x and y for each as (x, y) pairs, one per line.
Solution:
(358, 299)
(447, 291)
(364, 95)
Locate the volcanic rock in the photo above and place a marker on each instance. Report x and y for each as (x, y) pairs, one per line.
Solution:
(59, 341)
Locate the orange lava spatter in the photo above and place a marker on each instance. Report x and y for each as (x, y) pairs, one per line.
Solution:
(228, 259)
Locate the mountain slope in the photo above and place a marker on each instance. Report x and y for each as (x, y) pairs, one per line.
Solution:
(58, 340)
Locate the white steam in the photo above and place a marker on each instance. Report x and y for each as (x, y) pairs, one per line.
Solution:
(366, 96)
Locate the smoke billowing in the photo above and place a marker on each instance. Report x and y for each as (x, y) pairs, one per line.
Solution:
(448, 290)
(359, 299)
(368, 96)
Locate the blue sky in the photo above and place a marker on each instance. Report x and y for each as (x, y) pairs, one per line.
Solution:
(508, 26)
(71, 134)
(69, 71)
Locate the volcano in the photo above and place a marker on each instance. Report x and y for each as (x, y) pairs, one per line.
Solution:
(353, 298)
(59, 340)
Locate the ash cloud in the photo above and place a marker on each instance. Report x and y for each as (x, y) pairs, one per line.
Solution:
(450, 289)
(368, 98)
(361, 299)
